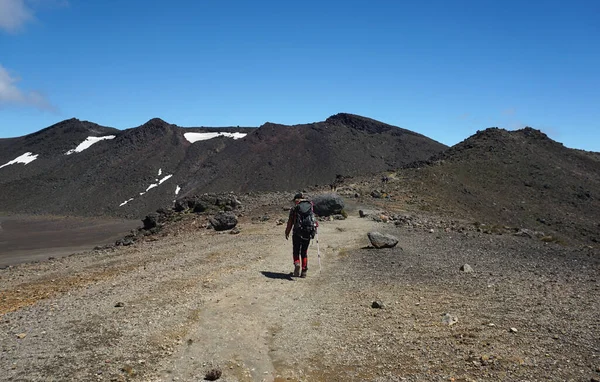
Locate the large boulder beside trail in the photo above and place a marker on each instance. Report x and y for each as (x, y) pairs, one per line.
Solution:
(382, 240)
(156, 219)
(328, 204)
(207, 203)
(224, 221)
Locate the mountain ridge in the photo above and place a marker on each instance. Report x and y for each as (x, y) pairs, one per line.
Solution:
(270, 157)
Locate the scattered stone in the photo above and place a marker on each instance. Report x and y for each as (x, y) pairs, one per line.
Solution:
(448, 319)
(235, 231)
(21, 335)
(513, 330)
(213, 375)
(224, 221)
(125, 242)
(150, 221)
(328, 204)
(119, 304)
(466, 268)
(377, 305)
(380, 240)
(594, 379)
(367, 213)
(524, 232)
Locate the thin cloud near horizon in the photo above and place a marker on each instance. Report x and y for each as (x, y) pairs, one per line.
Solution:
(14, 14)
(12, 95)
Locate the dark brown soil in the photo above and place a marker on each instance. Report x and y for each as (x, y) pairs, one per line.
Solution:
(34, 238)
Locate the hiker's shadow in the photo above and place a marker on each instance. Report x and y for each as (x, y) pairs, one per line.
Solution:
(277, 275)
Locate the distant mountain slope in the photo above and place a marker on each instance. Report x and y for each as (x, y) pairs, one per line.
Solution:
(80, 168)
(520, 178)
(137, 166)
(280, 157)
(56, 139)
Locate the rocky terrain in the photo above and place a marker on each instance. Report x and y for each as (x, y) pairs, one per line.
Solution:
(133, 172)
(449, 302)
(492, 272)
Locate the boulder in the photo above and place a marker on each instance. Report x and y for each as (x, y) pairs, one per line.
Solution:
(151, 220)
(381, 240)
(224, 221)
(466, 268)
(328, 204)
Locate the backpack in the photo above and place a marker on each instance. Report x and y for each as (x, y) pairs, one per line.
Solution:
(305, 223)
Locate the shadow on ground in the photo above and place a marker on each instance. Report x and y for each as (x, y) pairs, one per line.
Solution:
(278, 275)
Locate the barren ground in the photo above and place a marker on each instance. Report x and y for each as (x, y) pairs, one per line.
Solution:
(35, 238)
(174, 308)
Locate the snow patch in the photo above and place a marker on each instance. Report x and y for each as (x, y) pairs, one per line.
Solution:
(153, 185)
(125, 202)
(159, 171)
(159, 182)
(164, 179)
(195, 137)
(88, 142)
(177, 190)
(25, 158)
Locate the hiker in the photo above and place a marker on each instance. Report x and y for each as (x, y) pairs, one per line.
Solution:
(304, 224)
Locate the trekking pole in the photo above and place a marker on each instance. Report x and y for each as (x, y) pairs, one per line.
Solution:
(318, 252)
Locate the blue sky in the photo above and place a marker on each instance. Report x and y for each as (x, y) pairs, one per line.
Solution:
(442, 68)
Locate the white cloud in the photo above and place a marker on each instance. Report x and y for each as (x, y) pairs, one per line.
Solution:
(10, 94)
(14, 14)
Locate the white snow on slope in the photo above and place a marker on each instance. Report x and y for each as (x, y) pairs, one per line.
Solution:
(164, 179)
(25, 158)
(87, 143)
(195, 137)
(159, 171)
(125, 202)
(161, 181)
(177, 190)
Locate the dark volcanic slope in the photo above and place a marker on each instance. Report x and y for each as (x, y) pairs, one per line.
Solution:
(280, 157)
(56, 139)
(143, 168)
(520, 178)
(99, 179)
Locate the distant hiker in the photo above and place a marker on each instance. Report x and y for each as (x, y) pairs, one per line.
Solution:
(304, 224)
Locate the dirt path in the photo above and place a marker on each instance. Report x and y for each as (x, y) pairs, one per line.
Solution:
(248, 326)
(172, 309)
(189, 303)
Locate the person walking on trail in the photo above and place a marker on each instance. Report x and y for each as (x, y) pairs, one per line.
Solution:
(304, 224)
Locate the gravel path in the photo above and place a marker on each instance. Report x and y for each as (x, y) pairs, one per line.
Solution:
(175, 308)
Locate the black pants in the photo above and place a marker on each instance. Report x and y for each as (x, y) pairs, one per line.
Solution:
(300, 250)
